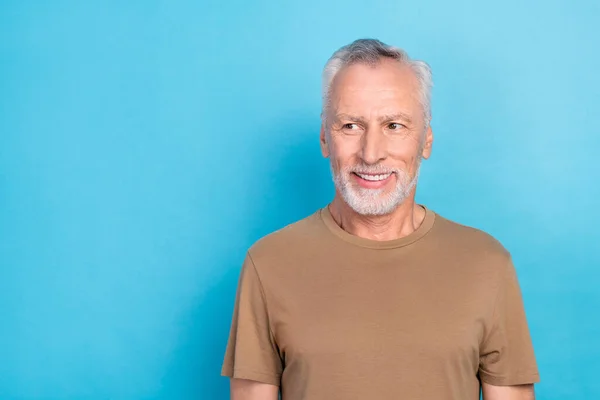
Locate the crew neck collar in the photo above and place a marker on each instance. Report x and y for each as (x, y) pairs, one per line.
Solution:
(417, 234)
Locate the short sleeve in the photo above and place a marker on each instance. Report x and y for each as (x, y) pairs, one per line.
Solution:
(251, 350)
(506, 354)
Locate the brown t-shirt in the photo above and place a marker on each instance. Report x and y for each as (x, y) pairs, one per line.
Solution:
(328, 315)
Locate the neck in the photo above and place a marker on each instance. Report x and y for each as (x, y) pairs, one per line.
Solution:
(401, 222)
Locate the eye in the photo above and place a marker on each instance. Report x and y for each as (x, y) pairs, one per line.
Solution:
(395, 126)
(350, 126)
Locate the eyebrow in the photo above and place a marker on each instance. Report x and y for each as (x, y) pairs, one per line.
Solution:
(383, 118)
(349, 117)
(397, 116)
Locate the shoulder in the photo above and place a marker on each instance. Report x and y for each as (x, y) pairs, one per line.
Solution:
(474, 254)
(468, 237)
(288, 241)
(473, 249)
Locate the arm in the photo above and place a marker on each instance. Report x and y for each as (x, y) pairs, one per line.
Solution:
(518, 392)
(244, 389)
(507, 366)
(252, 358)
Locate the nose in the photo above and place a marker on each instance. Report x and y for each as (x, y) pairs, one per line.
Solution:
(373, 148)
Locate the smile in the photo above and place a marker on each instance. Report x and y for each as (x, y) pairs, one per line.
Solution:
(374, 178)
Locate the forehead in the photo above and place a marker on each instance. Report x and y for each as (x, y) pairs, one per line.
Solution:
(387, 84)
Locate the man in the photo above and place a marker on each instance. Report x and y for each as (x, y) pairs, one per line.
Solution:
(374, 296)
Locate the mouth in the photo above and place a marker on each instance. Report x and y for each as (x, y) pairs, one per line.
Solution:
(373, 177)
(372, 181)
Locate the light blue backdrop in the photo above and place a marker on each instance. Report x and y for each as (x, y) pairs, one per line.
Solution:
(144, 146)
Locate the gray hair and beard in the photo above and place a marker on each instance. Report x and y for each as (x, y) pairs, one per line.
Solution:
(374, 201)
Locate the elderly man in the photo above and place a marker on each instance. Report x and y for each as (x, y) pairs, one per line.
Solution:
(374, 296)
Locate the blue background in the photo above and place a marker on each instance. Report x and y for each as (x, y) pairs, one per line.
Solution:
(144, 146)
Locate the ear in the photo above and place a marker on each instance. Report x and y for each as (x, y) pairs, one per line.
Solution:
(426, 153)
(323, 141)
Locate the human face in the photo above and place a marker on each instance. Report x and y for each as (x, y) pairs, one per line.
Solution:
(375, 136)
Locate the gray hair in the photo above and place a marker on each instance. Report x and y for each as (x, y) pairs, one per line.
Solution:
(370, 52)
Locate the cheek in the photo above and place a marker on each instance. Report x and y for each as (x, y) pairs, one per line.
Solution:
(405, 153)
(345, 150)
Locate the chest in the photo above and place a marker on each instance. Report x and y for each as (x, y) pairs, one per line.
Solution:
(391, 316)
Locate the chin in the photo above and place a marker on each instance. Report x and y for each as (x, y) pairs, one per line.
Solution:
(383, 204)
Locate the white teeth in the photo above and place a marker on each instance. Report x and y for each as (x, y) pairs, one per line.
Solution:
(374, 178)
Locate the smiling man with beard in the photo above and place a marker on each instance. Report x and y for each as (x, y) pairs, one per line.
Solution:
(375, 296)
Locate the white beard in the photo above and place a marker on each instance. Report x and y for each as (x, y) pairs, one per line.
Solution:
(374, 201)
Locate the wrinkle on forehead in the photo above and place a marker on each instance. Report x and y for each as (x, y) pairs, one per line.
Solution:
(381, 75)
(370, 92)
